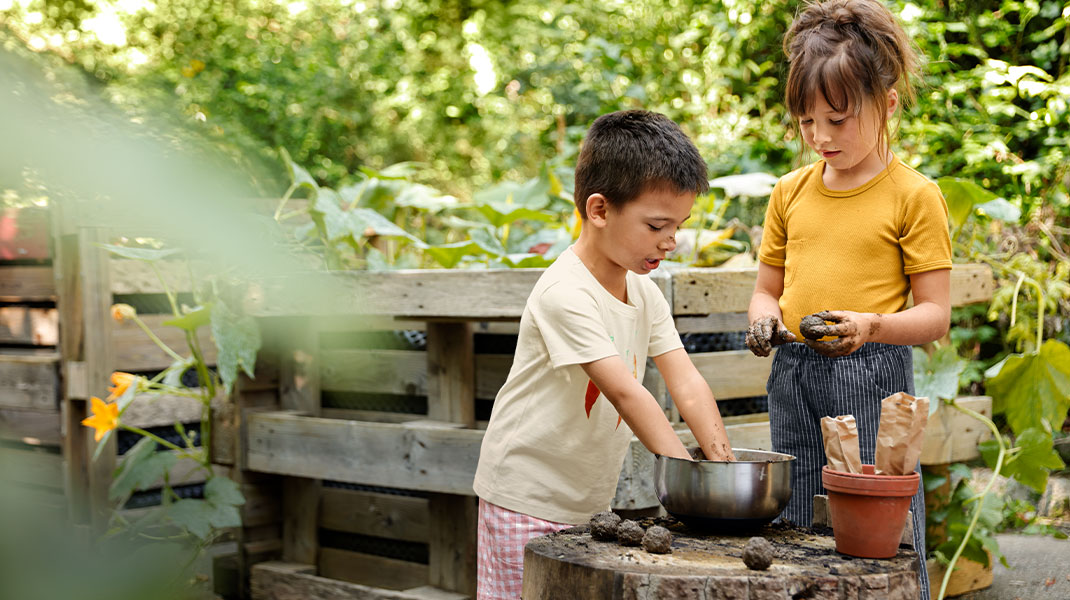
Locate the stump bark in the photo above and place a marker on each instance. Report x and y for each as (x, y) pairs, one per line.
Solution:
(570, 564)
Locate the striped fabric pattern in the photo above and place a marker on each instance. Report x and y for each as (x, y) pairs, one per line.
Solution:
(502, 535)
(805, 386)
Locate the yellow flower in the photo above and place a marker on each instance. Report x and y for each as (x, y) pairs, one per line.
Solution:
(120, 383)
(122, 312)
(105, 417)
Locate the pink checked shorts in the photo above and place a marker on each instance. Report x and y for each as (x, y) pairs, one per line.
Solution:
(501, 540)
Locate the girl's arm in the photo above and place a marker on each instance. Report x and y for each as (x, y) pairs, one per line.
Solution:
(766, 325)
(696, 404)
(928, 320)
(636, 406)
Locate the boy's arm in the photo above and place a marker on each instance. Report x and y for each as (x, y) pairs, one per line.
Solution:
(636, 406)
(766, 326)
(696, 404)
(928, 320)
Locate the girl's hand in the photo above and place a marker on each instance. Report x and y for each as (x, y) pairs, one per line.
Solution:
(766, 332)
(851, 328)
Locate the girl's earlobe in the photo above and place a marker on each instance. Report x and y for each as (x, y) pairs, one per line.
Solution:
(893, 101)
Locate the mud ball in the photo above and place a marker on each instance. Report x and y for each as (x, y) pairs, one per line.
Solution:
(604, 526)
(657, 540)
(629, 533)
(807, 325)
(758, 554)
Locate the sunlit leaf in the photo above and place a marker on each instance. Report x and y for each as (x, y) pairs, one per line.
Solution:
(298, 175)
(962, 195)
(487, 242)
(198, 317)
(327, 211)
(1001, 209)
(448, 255)
(748, 184)
(425, 198)
(1033, 390)
(937, 377)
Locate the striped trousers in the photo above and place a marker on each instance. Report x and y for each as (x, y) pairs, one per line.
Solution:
(805, 386)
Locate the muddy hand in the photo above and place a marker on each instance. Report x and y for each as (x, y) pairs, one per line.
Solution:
(850, 328)
(766, 332)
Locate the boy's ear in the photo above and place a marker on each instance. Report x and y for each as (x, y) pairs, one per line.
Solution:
(597, 207)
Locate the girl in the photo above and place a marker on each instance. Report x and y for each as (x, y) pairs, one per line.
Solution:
(849, 237)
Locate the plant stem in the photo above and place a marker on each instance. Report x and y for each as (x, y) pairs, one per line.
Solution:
(285, 199)
(152, 436)
(981, 504)
(156, 340)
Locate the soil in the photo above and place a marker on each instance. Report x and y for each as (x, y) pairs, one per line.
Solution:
(604, 526)
(758, 554)
(629, 533)
(657, 540)
(808, 324)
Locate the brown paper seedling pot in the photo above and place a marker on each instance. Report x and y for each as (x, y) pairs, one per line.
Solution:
(868, 511)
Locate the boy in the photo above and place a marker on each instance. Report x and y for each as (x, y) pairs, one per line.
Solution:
(555, 443)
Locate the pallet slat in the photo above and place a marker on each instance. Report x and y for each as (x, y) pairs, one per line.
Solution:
(29, 381)
(371, 513)
(371, 570)
(19, 283)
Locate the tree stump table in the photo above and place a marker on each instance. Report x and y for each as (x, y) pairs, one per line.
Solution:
(570, 564)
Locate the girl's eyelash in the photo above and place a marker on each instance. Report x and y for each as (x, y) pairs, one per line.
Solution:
(652, 228)
(837, 121)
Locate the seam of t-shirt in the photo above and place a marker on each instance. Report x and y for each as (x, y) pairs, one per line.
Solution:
(934, 265)
(769, 260)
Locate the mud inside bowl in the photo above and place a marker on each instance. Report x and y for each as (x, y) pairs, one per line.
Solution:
(721, 496)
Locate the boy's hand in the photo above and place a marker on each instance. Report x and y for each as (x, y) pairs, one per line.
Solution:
(766, 332)
(852, 329)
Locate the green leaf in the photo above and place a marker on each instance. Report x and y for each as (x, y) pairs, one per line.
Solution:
(364, 222)
(298, 175)
(487, 242)
(140, 467)
(198, 317)
(1001, 209)
(961, 196)
(178, 368)
(937, 376)
(526, 261)
(223, 490)
(933, 482)
(425, 198)
(195, 515)
(1033, 390)
(238, 339)
(148, 254)
(1034, 458)
(401, 170)
(448, 255)
(327, 211)
(747, 184)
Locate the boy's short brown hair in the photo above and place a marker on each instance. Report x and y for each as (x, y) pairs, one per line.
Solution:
(630, 151)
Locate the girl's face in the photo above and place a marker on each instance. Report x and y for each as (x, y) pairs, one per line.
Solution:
(847, 142)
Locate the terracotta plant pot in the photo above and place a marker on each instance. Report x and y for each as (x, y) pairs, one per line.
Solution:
(868, 512)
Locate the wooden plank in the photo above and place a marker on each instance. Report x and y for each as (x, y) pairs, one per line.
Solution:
(134, 351)
(29, 283)
(705, 291)
(299, 378)
(451, 374)
(30, 381)
(156, 410)
(419, 455)
(712, 323)
(31, 427)
(452, 542)
(371, 570)
(30, 465)
(402, 372)
(371, 513)
(952, 436)
(374, 416)
(415, 294)
(137, 277)
(278, 580)
(734, 373)
(30, 326)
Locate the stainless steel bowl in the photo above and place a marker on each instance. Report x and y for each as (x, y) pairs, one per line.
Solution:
(716, 495)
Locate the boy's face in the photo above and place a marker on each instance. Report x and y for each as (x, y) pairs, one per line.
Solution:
(639, 235)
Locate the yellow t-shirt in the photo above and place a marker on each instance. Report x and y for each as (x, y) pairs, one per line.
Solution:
(554, 446)
(853, 249)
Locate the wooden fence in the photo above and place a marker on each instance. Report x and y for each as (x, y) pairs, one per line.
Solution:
(357, 442)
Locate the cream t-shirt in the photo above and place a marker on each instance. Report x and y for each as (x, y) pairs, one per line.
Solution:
(544, 454)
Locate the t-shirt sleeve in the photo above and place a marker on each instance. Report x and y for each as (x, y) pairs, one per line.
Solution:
(663, 334)
(924, 235)
(569, 322)
(774, 233)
